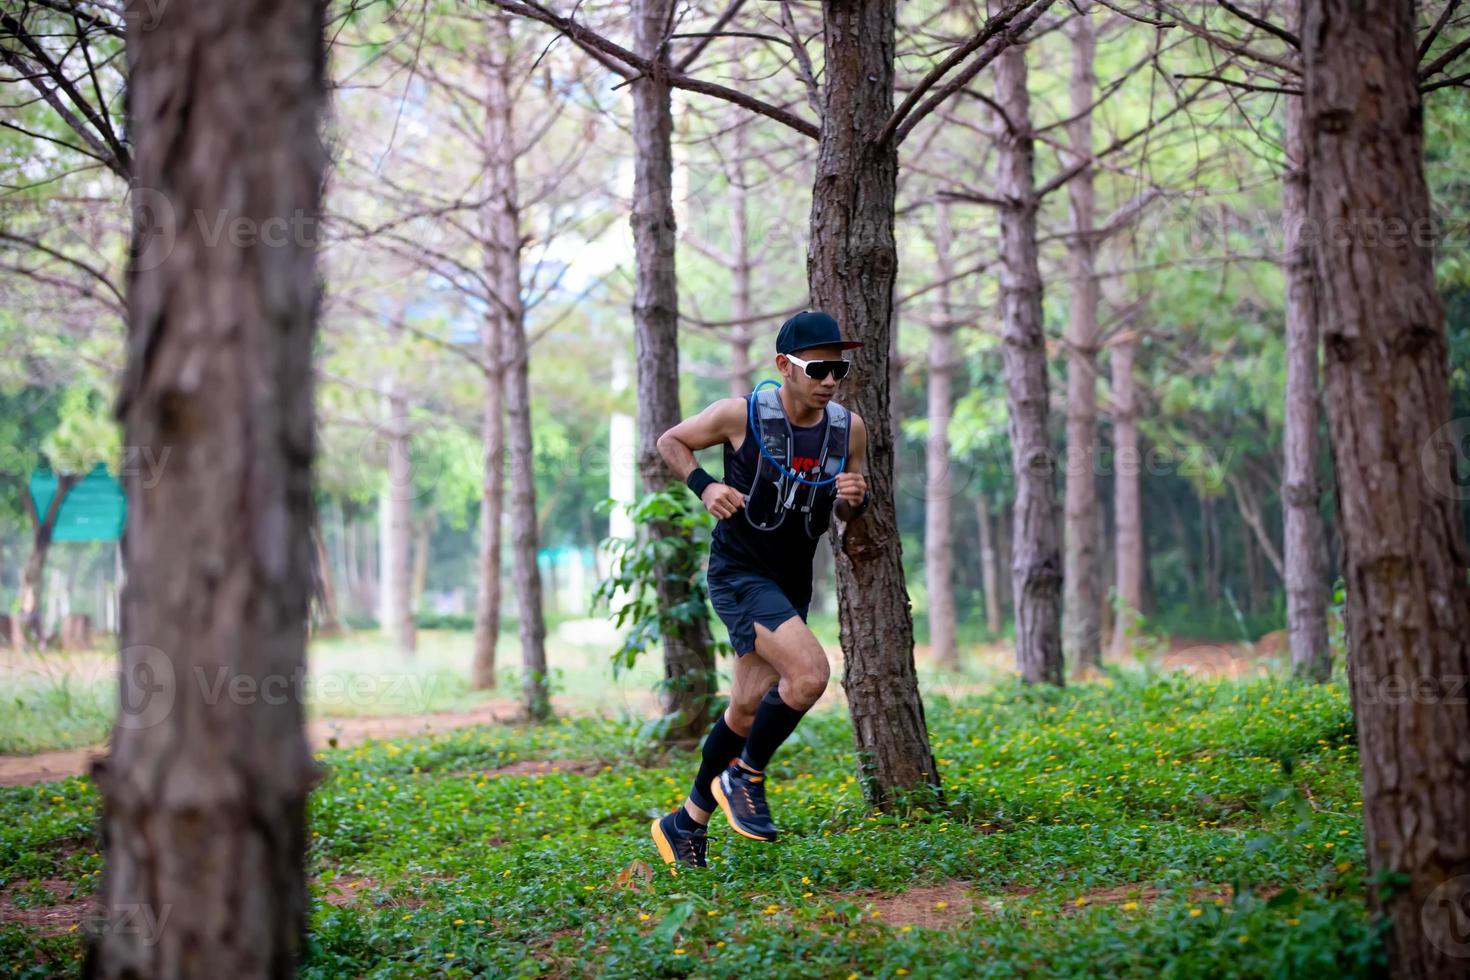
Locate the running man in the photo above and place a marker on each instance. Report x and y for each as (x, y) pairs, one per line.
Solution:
(793, 457)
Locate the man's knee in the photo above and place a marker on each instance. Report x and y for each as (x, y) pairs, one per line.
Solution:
(740, 716)
(807, 682)
(747, 687)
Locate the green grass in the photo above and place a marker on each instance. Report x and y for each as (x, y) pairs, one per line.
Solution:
(1230, 806)
(62, 700)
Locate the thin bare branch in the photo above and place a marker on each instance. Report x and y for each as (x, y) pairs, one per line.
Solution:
(589, 39)
(1263, 24)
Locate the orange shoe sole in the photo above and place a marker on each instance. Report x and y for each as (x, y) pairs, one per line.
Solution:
(719, 794)
(665, 848)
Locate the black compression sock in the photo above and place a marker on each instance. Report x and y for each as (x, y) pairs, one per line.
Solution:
(775, 720)
(721, 745)
(684, 821)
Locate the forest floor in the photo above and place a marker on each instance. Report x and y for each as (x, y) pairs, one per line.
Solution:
(359, 689)
(1147, 823)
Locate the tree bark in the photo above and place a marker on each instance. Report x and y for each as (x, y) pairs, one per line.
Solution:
(492, 494)
(422, 541)
(1036, 561)
(397, 526)
(1388, 409)
(29, 626)
(1301, 491)
(1082, 570)
(76, 631)
(989, 567)
(689, 678)
(492, 424)
(351, 579)
(939, 493)
(505, 246)
(1005, 520)
(323, 589)
(204, 794)
(851, 264)
(741, 379)
(1127, 500)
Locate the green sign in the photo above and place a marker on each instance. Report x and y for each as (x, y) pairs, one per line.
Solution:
(93, 510)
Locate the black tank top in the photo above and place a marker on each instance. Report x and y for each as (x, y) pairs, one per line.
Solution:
(784, 554)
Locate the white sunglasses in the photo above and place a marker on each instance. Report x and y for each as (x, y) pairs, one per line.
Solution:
(818, 370)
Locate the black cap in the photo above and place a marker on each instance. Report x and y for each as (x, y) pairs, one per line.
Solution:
(811, 328)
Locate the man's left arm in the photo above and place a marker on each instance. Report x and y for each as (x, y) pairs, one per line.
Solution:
(852, 486)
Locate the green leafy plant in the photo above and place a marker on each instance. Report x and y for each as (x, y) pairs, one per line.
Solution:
(630, 592)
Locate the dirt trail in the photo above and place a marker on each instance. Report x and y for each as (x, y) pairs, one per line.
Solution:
(22, 770)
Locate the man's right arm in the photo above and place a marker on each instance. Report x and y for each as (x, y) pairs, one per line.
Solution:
(724, 420)
(721, 421)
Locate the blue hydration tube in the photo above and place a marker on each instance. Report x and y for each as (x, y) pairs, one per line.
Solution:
(789, 473)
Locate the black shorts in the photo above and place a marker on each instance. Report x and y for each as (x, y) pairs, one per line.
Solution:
(743, 598)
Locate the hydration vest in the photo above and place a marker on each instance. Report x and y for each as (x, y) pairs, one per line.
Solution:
(774, 493)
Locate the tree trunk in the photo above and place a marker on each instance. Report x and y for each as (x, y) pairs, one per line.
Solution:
(689, 662)
(347, 529)
(989, 567)
(30, 629)
(204, 794)
(323, 589)
(938, 542)
(1127, 500)
(370, 571)
(895, 387)
(1005, 519)
(76, 631)
(492, 425)
(1082, 572)
(1388, 409)
(741, 378)
(1036, 561)
(492, 493)
(505, 246)
(397, 527)
(1306, 585)
(851, 265)
(1255, 573)
(422, 540)
(395, 519)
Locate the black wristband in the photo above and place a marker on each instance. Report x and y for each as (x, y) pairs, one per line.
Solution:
(858, 510)
(698, 480)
